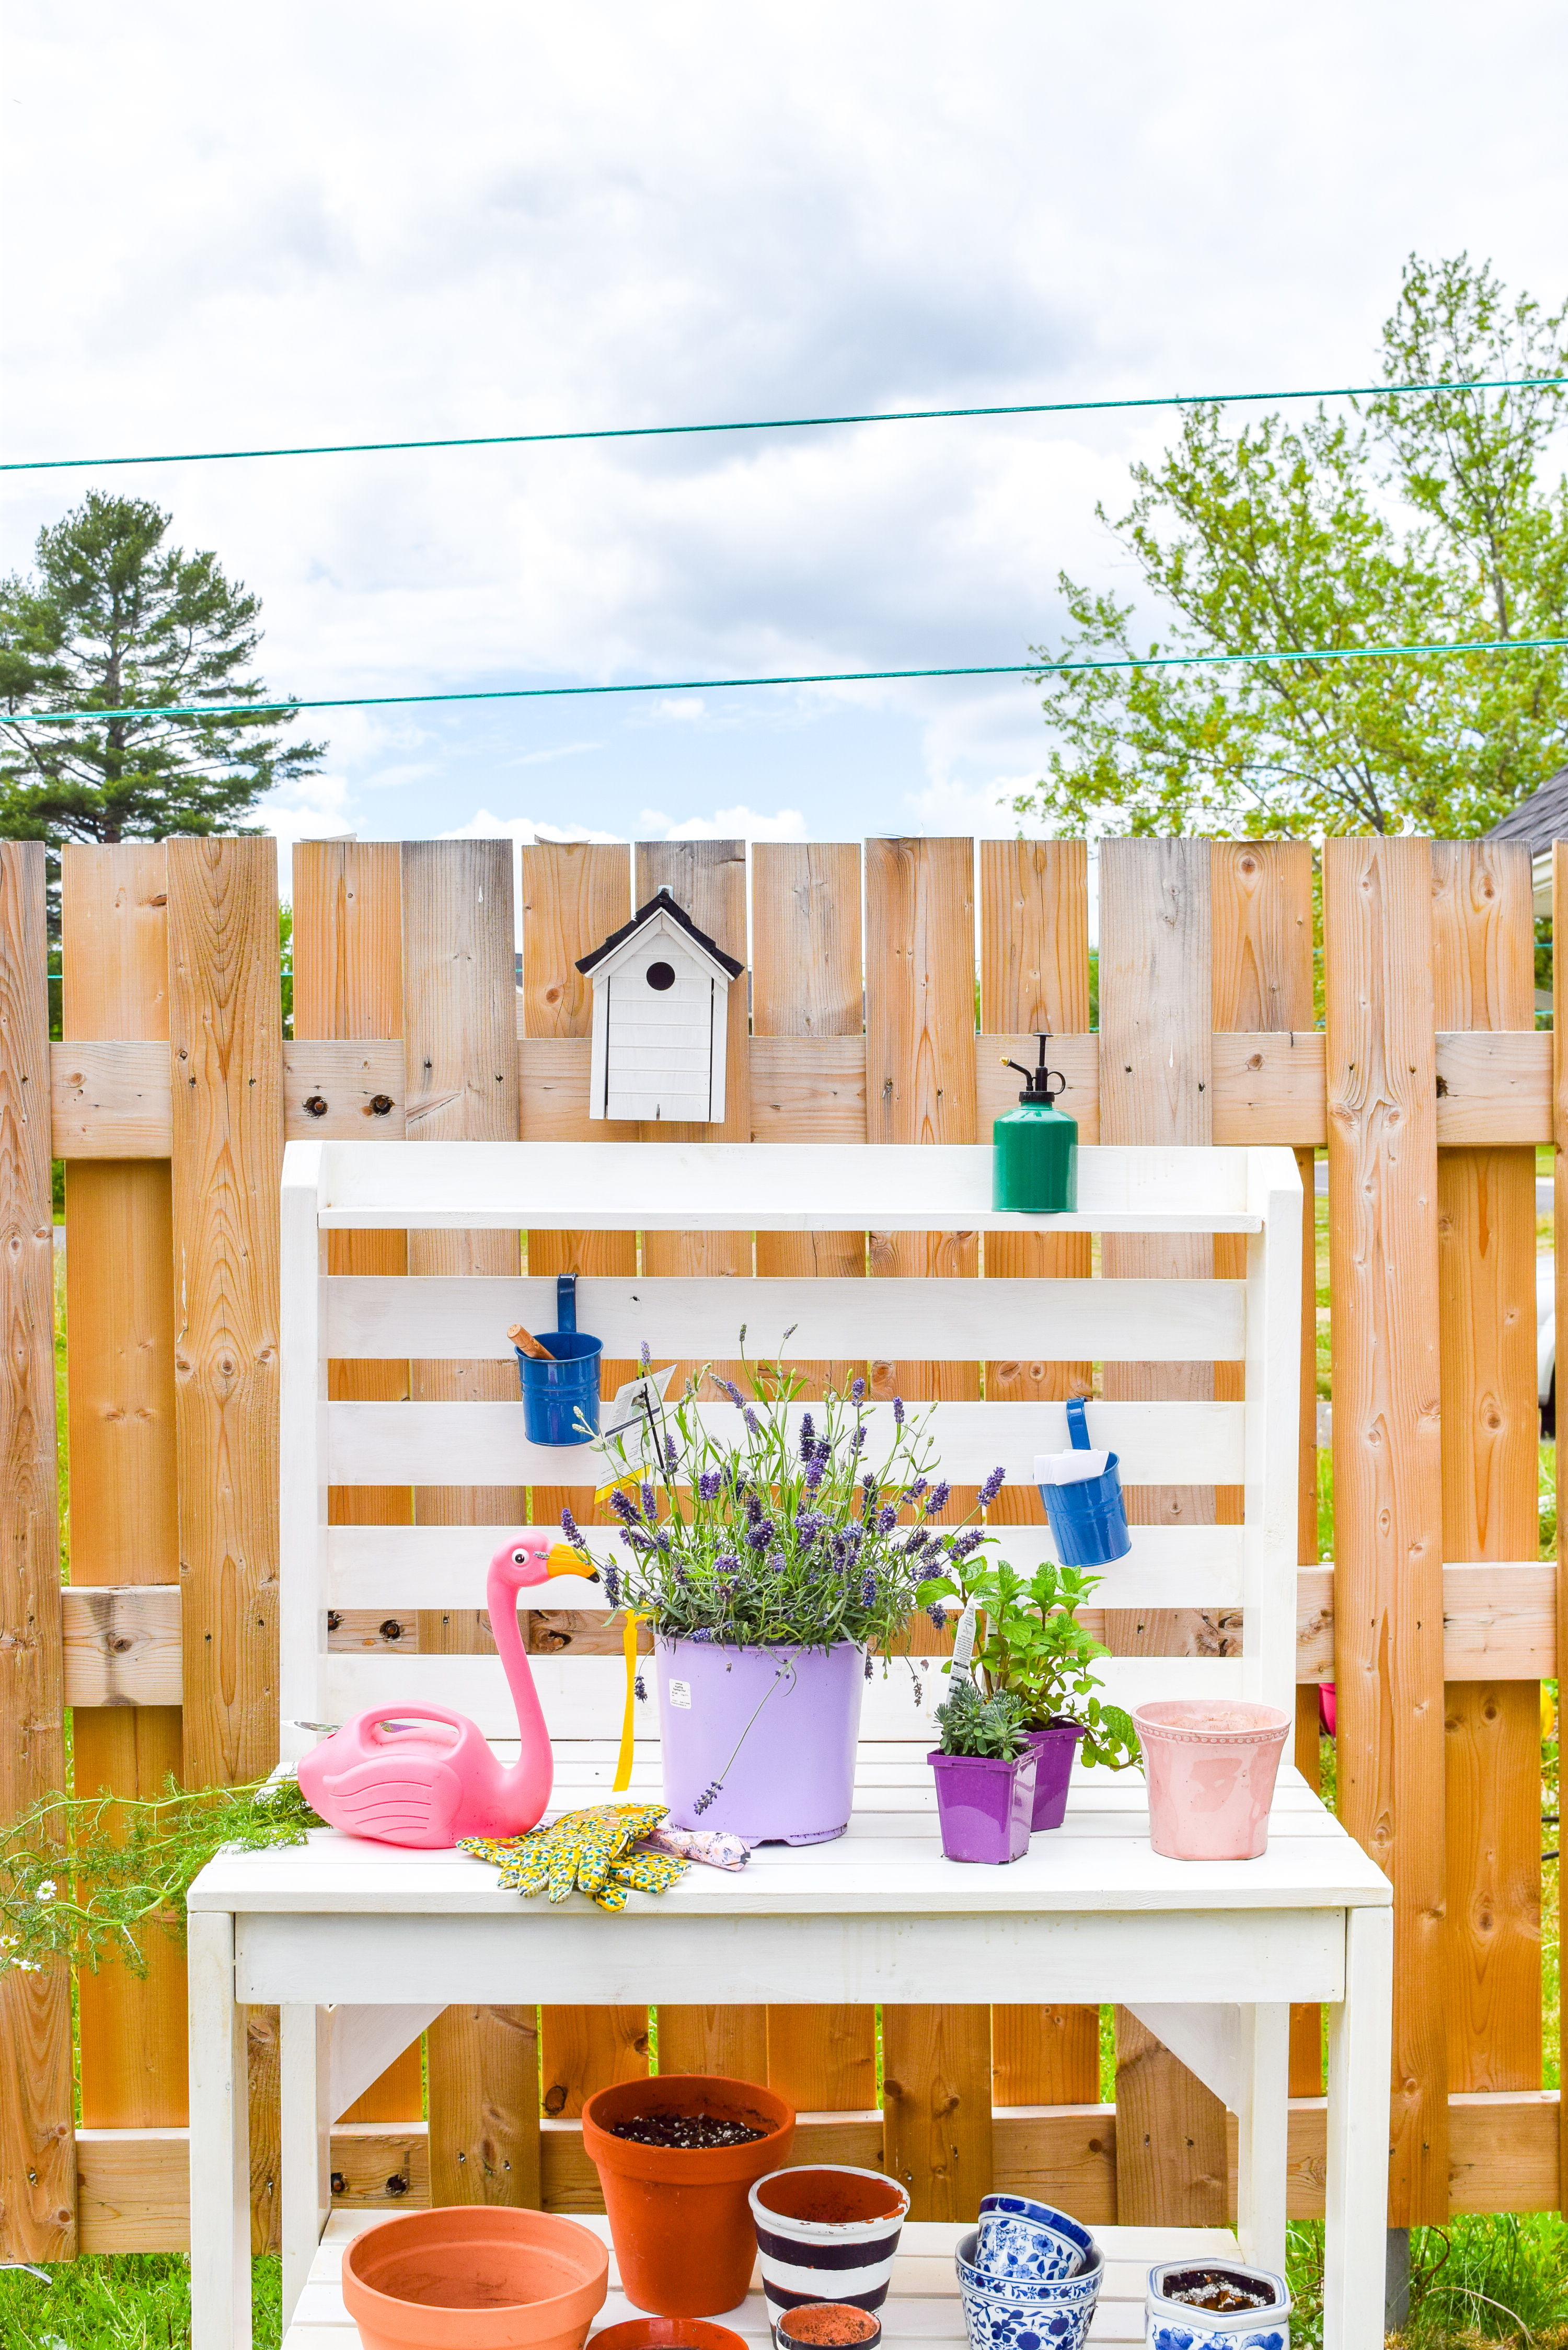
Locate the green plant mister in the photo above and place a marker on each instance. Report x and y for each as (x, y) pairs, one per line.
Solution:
(1034, 1149)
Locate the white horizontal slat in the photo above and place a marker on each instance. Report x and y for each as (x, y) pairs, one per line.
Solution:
(467, 1318)
(583, 1697)
(484, 1444)
(430, 1567)
(733, 1187)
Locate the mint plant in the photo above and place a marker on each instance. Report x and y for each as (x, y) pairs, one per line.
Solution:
(1033, 1649)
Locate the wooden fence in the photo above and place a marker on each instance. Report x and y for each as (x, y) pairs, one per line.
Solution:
(170, 1099)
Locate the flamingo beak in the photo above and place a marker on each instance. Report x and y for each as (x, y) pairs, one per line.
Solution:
(562, 1559)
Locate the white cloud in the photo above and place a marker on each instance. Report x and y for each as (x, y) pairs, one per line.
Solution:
(725, 824)
(314, 808)
(523, 829)
(983, 809)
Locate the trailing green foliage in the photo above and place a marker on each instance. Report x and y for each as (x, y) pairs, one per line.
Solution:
(78, 1875)
(1034, 1650)
(985, 1728)
(1394, 521)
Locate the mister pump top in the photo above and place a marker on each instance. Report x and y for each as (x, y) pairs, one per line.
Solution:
(1037, 1086)
(1034, 1158)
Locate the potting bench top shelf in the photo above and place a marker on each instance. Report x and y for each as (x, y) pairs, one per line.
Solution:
(788, 1187)
(922, 2304)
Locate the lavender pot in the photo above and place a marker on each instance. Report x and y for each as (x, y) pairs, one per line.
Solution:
(769, 1734)
(1054, 1747)
(985, 1806)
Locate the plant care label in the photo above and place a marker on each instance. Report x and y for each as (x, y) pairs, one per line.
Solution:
(680, 1695)
(963, 1639)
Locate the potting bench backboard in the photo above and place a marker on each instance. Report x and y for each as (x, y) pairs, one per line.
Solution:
(329, 1444)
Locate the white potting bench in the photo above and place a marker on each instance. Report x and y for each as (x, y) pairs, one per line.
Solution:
(361, 1945)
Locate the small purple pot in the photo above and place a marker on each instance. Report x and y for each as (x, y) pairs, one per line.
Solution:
(985, 1806)
(1054, 1747)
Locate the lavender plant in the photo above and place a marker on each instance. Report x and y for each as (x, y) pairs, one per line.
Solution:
(785, 1533)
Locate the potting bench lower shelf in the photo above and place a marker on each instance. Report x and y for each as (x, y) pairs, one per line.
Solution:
(922, 2304)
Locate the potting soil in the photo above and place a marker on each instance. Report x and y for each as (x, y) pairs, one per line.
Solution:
(1216, 2289)
(690, 2133)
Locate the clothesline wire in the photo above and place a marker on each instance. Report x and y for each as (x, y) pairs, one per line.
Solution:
(787, 424)
(289, 708)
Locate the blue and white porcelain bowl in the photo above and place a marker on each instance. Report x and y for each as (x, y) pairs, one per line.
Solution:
(1019, 2238)
(1172, 2325)
(1025, 2312)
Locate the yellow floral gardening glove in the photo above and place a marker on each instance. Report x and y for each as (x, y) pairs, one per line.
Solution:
(586, 1852)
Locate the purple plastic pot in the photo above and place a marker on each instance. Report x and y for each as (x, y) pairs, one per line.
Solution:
(770, 1732)
(1054, 1747)
(985, 1806)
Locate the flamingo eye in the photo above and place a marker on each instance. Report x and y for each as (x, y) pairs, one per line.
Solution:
(519, 1558)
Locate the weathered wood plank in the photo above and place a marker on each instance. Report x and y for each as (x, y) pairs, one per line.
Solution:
(1034, 976)
(807, 991)
(225, 1024)
(338, 1090)
(1156, 1072)
(120, 1311)
(938, 2131)
(1483, 938)
(347, 1001)
(37, 2180)
(459, 1029)
(574, 895)
(1388, 1663)
(1559, 1232)
(112, 1100)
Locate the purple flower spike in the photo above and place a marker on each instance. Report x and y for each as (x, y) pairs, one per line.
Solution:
(868, 1667)
(612, 1583)
(937, 1499)
(649, 1507)
(992, 1487)
(645, 1357)
(708, 1484)
(857, 1391)
(569, 1528)
(897, 1411)
(868, 1592)
(887, 1519)
(807, 1436)
(754, 1425)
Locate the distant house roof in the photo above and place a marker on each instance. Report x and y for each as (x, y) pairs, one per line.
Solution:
(663, 904)
(1539, 819)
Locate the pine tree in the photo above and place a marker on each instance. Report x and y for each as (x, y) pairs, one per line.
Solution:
(113, 619)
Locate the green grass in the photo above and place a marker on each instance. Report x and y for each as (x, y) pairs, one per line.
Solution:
(122, 2301)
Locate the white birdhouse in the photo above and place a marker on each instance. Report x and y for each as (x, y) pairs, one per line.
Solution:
(661, 992)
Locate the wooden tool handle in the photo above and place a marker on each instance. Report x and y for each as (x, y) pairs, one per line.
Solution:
(526, 1344)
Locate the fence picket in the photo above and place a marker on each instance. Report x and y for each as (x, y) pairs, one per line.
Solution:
(573, 894)
(37, 2167)
(1387, 1465)
(1156, 1086)
(1034, 975)
(120, 1300)
(920, 1088)
(1483, 940)
(348, 985)
(459, 1048)
(807, 981)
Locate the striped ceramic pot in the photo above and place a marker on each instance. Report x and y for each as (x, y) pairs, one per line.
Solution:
(826, 2234)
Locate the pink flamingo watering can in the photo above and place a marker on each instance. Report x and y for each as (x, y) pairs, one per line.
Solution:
(389, 1776)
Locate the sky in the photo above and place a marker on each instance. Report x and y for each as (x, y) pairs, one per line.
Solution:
(225, 227)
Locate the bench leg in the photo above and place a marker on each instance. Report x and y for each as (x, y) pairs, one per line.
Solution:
(220, 2142)
(1262, 2121)
(1360, 2044)
(304, 2141)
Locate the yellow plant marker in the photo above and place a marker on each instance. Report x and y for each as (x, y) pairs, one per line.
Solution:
(623, 1761)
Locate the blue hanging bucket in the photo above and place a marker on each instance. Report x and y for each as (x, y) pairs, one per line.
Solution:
(560, 1394)
(1088, 1520)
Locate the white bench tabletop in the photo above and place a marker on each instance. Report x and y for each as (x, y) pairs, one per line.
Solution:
(888, 1862)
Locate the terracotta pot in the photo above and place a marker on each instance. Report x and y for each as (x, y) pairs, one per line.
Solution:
(679, 2217)
(474, 2277)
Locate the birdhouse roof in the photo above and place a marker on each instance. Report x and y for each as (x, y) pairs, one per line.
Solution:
(663, 904)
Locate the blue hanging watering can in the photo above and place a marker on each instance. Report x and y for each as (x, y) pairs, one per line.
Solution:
(1088, 1519)
(560, 1394)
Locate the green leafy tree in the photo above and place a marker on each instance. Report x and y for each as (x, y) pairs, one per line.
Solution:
(1401, 520)
(112, 619)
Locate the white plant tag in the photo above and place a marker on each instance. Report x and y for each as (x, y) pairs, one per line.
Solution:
(680, 1695)
(963, 1639)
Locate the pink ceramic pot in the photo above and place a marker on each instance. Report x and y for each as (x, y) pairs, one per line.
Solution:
(1210, 1764)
